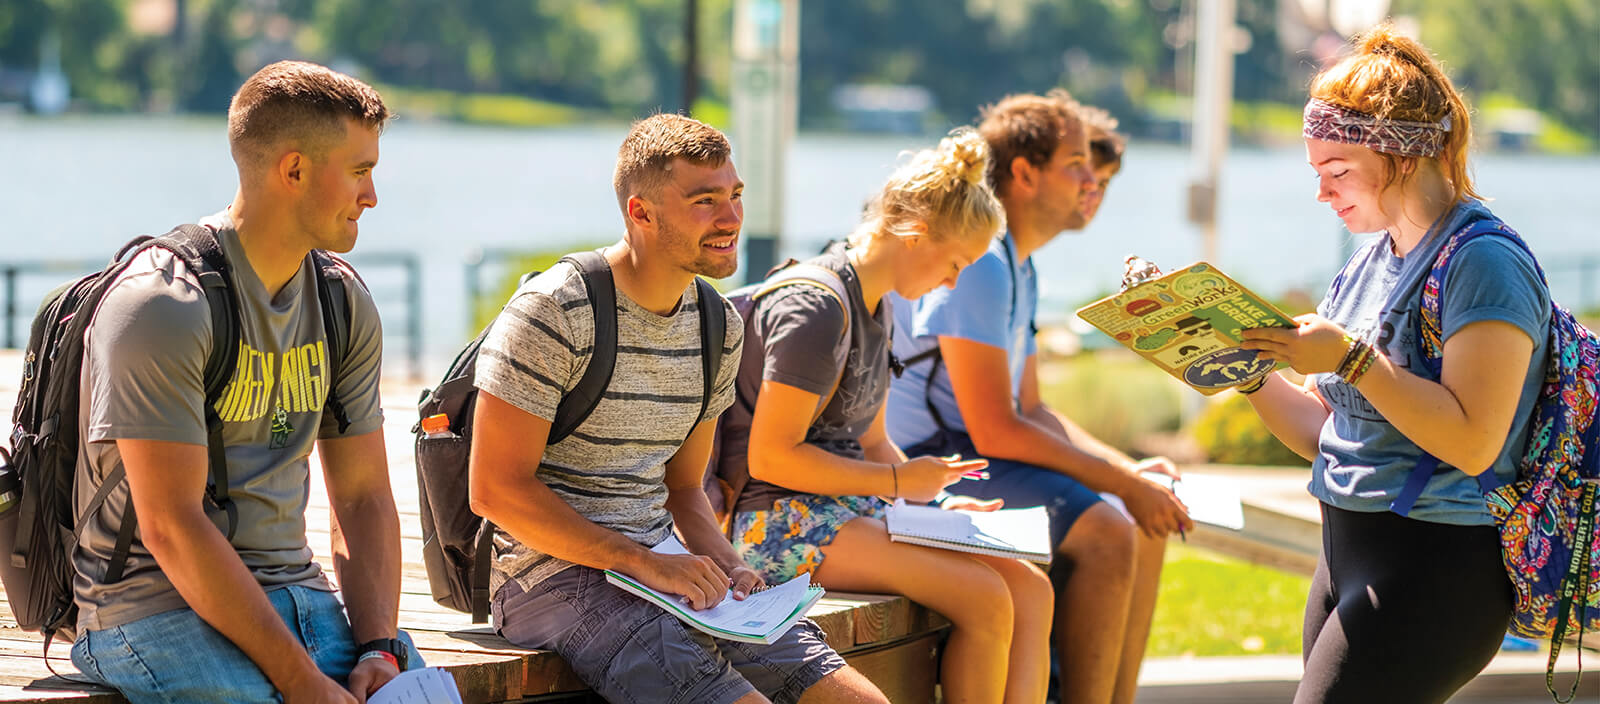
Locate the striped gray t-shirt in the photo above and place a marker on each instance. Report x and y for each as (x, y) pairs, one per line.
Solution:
(612, 469)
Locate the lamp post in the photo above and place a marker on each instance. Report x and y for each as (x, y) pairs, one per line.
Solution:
(766, 77)
(691, 54)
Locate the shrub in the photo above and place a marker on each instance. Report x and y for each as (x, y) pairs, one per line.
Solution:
(1117, 396)
(1231, 433)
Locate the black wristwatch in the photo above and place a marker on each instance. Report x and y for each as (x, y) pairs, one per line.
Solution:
(392, 646)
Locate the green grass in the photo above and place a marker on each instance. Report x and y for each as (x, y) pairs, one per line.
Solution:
(1215, 605)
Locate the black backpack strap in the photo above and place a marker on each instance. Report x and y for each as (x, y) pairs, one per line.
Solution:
(713, 334)
(336, 320)
(929, 353)
(577, 404)
(202, 253)
(225, 333)
(481, 561)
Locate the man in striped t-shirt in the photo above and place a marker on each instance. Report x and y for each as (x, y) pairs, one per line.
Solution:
(603, 496)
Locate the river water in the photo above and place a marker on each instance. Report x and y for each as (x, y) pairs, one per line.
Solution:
(81, 185)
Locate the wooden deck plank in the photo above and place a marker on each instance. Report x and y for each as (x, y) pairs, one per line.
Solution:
(905, 670)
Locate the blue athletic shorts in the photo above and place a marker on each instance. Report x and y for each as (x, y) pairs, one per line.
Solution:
(1021, 485)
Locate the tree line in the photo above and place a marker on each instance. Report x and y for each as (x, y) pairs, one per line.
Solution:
(624, 57)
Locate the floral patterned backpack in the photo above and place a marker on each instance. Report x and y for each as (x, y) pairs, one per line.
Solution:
(1547, 515)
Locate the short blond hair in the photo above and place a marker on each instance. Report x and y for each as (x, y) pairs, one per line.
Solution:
(646, 155)
(945, 188)
(299, 102)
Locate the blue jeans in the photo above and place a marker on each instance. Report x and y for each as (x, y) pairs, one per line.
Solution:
(175, 657)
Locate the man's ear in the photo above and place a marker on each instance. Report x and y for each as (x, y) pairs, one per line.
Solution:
(1023, 174)
(638, 212)
(291, 170)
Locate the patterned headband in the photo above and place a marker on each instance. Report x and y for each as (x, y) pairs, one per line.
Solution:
(1331, 123)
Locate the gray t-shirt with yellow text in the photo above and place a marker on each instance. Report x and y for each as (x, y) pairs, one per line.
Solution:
(144, 359)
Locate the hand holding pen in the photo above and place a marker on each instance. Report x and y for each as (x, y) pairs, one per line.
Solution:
(1155, 508)
(921, 479)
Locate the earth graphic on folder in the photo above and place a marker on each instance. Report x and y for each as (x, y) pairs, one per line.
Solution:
(1228, 367)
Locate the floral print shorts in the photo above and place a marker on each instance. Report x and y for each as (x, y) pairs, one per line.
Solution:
(786, 541)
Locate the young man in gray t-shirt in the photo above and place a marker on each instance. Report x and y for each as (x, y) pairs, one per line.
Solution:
(604, 496)
(246, 615)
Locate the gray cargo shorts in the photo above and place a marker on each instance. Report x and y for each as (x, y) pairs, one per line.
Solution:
(630, 651)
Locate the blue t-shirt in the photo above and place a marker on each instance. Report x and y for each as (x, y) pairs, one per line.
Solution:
(1362, 460)
(993, 303)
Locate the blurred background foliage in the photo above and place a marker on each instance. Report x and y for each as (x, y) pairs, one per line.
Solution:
(1230, 432)
(550, 61)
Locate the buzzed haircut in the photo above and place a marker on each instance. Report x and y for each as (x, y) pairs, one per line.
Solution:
(646, 155)
(1027, 125)
(1105, 143)
(301, 103)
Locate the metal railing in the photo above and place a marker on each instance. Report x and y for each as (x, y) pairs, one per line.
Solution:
(393, 277)
(487, 260)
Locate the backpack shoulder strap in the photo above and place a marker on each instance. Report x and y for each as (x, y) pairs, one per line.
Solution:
(809, 275)
(1431, 335)
(199, 244)
(828, 282)
(201, 252)
(334, 299)
(1431, 321)
(577, 404)
(713, 335)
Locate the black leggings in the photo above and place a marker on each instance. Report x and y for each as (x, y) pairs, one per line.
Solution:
(1401, 610)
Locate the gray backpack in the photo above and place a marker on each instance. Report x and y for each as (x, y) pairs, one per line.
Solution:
(457, 544)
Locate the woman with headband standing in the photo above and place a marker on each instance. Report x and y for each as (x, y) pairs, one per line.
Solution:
(1410, 600)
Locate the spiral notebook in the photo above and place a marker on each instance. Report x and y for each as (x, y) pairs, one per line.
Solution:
(762, 617)
(1022, 533)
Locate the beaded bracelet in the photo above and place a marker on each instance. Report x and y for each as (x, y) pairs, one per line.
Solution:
(1351, 353)
(1357, 364)
(1351, 349)
(1363, 366)
(894, 470)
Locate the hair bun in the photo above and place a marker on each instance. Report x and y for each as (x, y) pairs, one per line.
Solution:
(964, 156)
(1386, 40)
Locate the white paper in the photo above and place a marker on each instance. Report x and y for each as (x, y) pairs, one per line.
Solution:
(1020, 530)
(757, 615)
(427, 685)
(1211, 499)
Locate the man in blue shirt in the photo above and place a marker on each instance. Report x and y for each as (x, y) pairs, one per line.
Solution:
(1051, 158)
